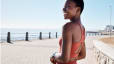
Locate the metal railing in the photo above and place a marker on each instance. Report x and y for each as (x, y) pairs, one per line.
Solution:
(10, 37)
(27, 36)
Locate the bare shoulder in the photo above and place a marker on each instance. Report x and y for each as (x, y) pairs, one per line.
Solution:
(68, 27)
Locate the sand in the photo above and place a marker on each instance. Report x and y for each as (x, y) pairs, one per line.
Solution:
(108, 40)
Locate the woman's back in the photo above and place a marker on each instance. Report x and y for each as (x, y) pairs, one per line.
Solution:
(76, 42)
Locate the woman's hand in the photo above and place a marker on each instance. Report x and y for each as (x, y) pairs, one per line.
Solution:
(59, 59)
(56, 57)
(52, 59)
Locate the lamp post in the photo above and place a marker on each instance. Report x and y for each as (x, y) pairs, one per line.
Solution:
(110, 18)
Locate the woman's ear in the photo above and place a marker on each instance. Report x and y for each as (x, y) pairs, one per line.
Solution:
(78, 11)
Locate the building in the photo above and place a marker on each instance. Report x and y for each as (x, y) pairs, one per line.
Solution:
(109, 29)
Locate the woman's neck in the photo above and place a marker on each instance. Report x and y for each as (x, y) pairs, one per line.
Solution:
(76, 20)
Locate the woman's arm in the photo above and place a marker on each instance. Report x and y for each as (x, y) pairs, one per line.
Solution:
(67, 44)
(82, 53)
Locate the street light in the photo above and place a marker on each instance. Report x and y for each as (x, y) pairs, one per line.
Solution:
(110, 18)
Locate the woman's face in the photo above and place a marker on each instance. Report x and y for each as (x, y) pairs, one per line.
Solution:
(69, 10)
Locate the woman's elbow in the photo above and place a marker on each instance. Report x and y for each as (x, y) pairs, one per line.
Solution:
(66, 60)
(83, 56)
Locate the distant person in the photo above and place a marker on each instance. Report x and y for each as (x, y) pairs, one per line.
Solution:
(72, 43)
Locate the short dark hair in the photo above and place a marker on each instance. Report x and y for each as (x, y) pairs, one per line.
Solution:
(79, 3)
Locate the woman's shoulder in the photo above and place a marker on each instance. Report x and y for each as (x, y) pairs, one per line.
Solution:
(70, 26)
(67, 26)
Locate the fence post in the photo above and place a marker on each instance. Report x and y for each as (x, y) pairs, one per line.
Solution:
(95, 34)
(40, 37)
(8, 38)
(89, 34)
(49, 35)
(26, 38)
(56, 34)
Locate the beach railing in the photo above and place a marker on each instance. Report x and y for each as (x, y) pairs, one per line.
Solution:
(9, 36)
(29, 36)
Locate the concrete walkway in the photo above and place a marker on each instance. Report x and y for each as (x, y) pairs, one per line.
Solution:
(39, 51)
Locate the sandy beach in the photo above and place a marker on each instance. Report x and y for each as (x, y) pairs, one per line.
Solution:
(108, 40)
(39, 51)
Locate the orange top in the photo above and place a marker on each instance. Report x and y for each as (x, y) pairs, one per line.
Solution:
(75, 46)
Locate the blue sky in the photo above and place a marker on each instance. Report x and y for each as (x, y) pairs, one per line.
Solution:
(48, 14)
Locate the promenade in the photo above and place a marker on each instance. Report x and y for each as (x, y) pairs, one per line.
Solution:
(39, 51)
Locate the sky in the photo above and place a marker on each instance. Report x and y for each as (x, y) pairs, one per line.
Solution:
(48, 14)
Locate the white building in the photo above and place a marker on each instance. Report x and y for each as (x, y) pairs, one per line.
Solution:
(109, 28)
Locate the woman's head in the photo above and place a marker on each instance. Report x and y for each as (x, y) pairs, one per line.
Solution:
(73, 8)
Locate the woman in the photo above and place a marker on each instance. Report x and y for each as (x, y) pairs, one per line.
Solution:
(72, 43)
